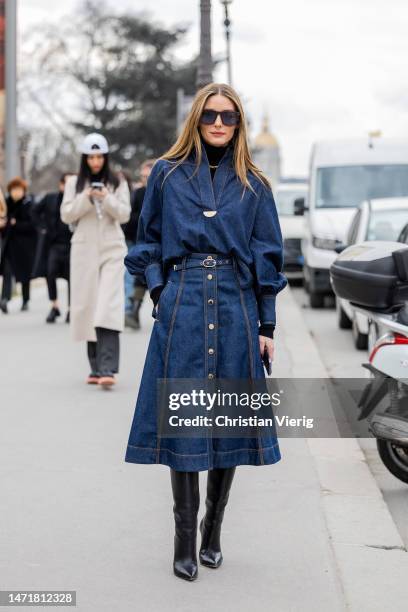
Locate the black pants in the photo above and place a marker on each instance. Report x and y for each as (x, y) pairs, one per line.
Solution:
(57, 267)
(8, 283)
(103, 354)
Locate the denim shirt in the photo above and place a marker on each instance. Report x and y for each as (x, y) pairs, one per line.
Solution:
(184, 214)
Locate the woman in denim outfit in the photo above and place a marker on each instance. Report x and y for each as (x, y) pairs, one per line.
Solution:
(209, 247)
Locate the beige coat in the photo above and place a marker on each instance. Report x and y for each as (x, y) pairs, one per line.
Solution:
(98, 248)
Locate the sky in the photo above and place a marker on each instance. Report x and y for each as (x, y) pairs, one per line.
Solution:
(319, 68)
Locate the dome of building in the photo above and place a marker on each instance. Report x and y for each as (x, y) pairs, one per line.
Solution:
(265, 138)
(266, 152)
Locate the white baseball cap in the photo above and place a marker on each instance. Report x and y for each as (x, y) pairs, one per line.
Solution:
(94, 143)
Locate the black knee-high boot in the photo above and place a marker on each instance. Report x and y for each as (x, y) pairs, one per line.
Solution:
(218, 487)
(186, 495)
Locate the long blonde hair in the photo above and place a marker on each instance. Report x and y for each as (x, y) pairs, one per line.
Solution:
(189, 137)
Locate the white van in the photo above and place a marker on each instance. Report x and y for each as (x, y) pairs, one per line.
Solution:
(343, 173)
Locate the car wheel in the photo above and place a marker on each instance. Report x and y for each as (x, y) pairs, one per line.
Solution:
(306, 284)
(316, 300)
(343, 320)
(360, 340)
(306, 279)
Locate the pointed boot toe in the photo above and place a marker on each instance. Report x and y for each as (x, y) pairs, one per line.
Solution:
(209, 555)
(185, 557)
(185, 568)
(218, 488)
(211, 558)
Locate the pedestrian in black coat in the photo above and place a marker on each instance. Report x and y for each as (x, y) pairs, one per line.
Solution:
(53, 252)
(19, 239)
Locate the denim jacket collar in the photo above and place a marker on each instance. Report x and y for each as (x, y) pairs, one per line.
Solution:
(211, 189)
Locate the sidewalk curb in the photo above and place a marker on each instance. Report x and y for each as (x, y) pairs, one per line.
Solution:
(371, 558)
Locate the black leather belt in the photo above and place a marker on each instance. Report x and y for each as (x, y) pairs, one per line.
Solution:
(202, 260)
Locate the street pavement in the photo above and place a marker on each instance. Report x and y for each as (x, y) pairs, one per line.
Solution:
(310, 533)
(342, 360)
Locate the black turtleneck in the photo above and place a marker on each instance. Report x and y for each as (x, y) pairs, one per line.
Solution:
(214, 154)
(96, 177)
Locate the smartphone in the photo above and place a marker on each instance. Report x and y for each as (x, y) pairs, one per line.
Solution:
(97, 185)
(267, 362)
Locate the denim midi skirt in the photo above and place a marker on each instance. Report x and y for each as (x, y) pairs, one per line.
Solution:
(206, 325)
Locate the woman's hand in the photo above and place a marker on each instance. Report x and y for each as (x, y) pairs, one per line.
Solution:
(268, 342)
(99, 194)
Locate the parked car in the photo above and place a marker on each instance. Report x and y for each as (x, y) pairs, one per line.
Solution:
(342, 175)
(380, 219)
(286, 194)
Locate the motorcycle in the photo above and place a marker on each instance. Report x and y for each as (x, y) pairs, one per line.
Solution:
(388, 370)
(374, 277)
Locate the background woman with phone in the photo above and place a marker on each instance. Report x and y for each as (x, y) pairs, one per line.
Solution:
(96, 203)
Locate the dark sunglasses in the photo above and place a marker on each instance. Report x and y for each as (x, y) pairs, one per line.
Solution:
(228, 117)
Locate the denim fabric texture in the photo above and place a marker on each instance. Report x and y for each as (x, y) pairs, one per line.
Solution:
(207, 318)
